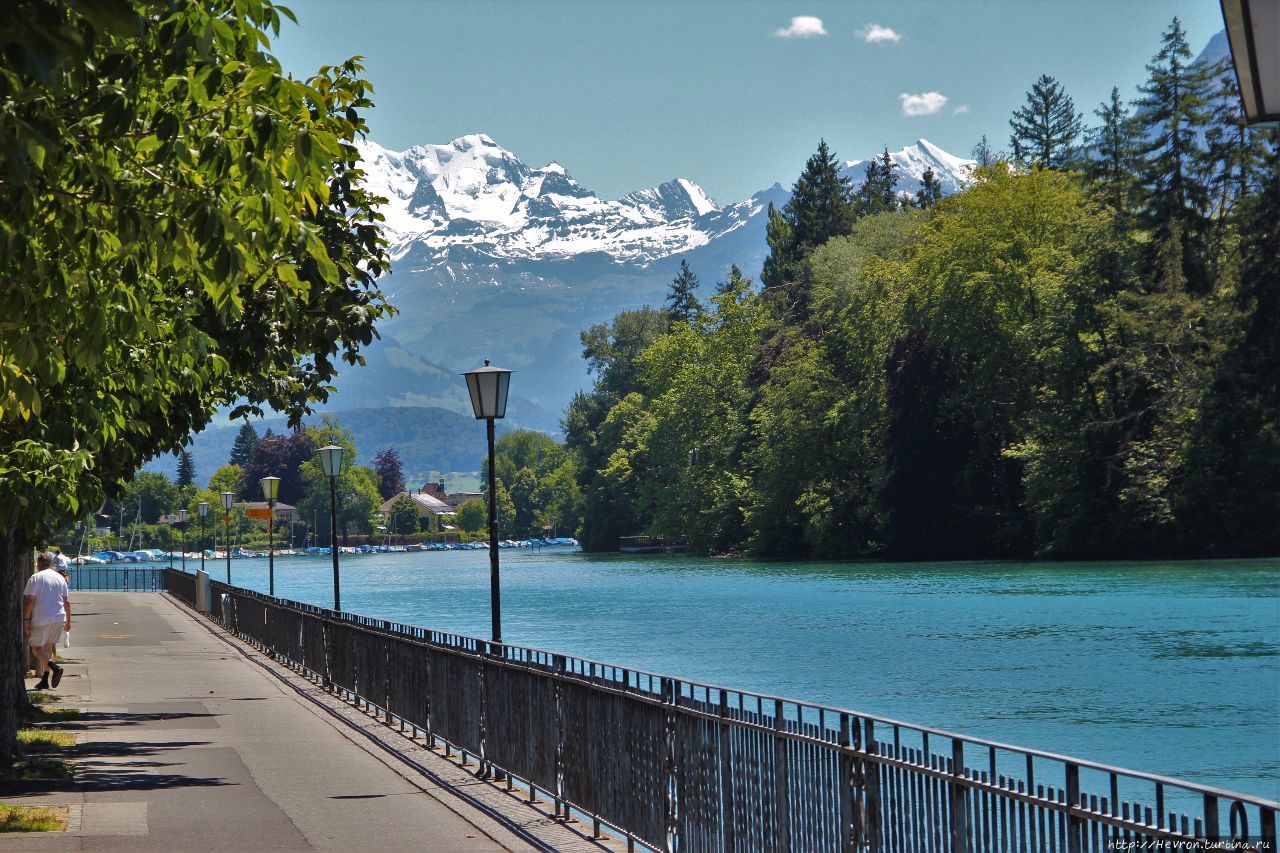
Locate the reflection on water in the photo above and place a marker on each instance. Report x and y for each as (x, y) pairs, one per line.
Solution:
(1169, 667)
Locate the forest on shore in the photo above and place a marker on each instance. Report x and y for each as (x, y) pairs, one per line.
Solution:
(1074, 357)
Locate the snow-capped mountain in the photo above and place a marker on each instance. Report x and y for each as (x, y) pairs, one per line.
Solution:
(496, 259)
(472, 194)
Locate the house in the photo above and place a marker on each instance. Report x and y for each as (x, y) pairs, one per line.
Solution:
(428, 504)
(284, 512)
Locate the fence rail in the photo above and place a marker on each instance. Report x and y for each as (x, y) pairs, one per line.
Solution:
(682, 766)
(113, 578)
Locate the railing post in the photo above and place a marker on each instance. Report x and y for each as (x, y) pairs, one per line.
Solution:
(671, 839)
(846, 788)
(959, 792)
(726, 776)
(871, 779)
(782, 834)
(1075, 823)
(1211, 817)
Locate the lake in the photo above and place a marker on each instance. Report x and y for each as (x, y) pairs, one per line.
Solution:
(1166, 667)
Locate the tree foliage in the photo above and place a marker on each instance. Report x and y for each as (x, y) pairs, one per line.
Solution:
(195, 223)
(1045, 129)
(390, 471)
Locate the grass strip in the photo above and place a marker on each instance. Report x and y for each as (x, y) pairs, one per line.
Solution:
(44, 740)
(37, 769)
(32, 818)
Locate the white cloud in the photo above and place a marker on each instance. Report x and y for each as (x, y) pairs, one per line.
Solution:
(924, 104)
(874, 33)
(960, 110)
(803, 27)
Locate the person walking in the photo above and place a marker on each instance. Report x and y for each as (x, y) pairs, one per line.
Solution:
(46, 613)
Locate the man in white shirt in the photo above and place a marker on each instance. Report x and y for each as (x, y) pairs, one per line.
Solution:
(46, 613)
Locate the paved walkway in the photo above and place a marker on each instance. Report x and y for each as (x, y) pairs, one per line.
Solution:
(189, 743)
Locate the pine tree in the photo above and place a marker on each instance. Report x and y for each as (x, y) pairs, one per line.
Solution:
(390, 472)
(186, 468)
(1111, 154)
(878, 193)
(1170, 112)
(731, 283)
(682, 301)
(820, 207)
(983, 153)
(242, 449)
(930, 192)
(1045, 130)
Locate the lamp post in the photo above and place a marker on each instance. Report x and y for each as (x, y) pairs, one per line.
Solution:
(182, 523)
(331, 462)
(271, 488)
(488, 389)
(228, 498)
(168, 519)
(203, 507)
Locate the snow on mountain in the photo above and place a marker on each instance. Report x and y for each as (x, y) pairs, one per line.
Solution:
(471, 194)
(952, 172)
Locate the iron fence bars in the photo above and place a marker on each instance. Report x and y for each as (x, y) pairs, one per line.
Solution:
(683, 766)
(115, 578)
(181, 585)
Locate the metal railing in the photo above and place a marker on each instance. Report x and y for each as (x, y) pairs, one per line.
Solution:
(677, 765)
(117, 578)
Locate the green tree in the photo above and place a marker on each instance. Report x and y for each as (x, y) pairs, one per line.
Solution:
(242, 448)
(1045, 129)
(155, 493)
(225, 479)
(821, 207)
(404, 515)
(930, 192)
(473, 516)
(1112, 155)
(186, 469)
(1170, 112)
(196, 220)
(682, 297)
(878, 193)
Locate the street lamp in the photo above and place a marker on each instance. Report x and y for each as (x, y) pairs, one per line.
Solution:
(331, 462)
(1253, 30)
(228, 498)
(168, 519)
(182, 523)
(271, 488)
(203, 507)
(488, 389)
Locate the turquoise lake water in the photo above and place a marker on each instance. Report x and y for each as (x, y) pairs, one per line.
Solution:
(1170, 668)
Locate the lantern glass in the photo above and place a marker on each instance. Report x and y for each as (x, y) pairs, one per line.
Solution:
(270, 487)
(488, 388)
(331, 460)
(182, 515)
(228, 498)
(203, 506)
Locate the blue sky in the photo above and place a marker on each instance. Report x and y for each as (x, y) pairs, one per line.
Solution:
(733, 95)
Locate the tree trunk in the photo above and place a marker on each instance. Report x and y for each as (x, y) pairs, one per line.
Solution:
(15, 568)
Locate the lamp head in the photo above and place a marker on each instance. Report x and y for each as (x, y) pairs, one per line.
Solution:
(331, 460)
(488, 389)
(270, 487)
(228, 498)
(182, 515)
(203, 507)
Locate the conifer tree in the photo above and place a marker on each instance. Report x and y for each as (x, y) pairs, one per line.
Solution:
(242, 449)
(682, 300)
(731, 283)
(820, 207)
(186, 468)
(1169, 113)
(930, 192)
(878, 193)
(1111, 154)
(1046, 128)
(983, 153)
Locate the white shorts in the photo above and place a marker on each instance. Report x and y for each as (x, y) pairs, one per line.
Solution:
(47, 634)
